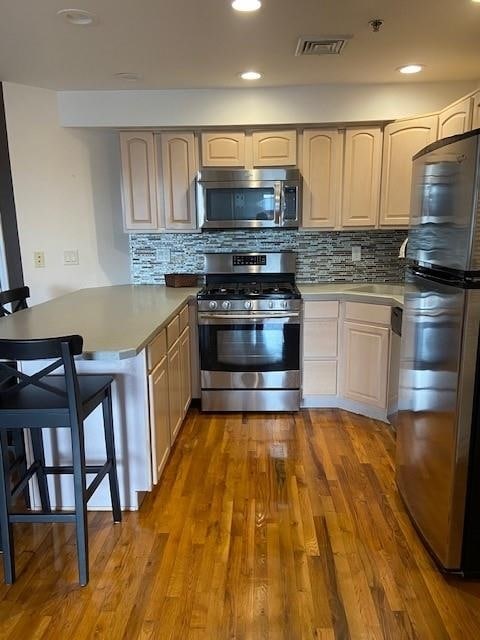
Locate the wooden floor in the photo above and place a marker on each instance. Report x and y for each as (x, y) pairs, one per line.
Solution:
(264, 526)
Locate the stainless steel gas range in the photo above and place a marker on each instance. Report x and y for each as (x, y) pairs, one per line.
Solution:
(249, 323)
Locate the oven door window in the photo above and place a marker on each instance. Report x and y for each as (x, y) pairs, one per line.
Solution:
(257, 347)
(240, 204)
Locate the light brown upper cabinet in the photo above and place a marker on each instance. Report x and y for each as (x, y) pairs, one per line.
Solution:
(322, 175)
(139, 180)
(361, 177)
(223, 149)
(401, 141)
(476, 111)
(179, 166)
(274, 148)
(456, 118)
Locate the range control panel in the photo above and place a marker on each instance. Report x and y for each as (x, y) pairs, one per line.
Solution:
(249, 261)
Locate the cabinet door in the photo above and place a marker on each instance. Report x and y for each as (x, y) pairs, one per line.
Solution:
(159, 418)
(223, 149)
(476, 111)
(322, 177)
(455, 119)
(138, 180)
(185, 367)
(365, 363)
(274, 148)
(401, 141)
(319, 378)
(179, 168)
(175, 390)
(361, 178)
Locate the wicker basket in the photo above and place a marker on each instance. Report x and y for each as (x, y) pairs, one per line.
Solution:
(181, 279)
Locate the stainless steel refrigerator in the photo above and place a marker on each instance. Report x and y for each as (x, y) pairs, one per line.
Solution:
(438, 428)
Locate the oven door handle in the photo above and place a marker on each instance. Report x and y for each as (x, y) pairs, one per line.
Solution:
(220, 318)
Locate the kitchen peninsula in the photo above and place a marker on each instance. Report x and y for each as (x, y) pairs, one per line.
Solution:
(138, 334)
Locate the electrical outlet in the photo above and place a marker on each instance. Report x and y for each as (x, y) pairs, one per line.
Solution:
(356, 253)
(70, 257)
(39, 259)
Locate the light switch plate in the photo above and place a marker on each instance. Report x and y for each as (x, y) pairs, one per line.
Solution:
(70, 257)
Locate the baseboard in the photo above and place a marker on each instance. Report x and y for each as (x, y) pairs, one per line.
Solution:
(338, 402)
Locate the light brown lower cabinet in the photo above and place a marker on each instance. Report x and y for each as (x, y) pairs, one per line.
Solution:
(185, 367)
(365, 363)
(175, 389)
(159, 417)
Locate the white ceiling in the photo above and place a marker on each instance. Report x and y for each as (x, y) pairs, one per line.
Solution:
(204, 43)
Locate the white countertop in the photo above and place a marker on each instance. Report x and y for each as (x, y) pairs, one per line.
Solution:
(117, 322)
(376, 293)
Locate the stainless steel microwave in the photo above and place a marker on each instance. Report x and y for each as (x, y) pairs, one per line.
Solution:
(241, 198)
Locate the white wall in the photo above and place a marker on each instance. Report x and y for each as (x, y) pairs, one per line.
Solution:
(67, 194)
(284, 105)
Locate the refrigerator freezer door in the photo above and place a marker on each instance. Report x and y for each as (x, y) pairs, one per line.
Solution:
(444, 207)
(437, 376)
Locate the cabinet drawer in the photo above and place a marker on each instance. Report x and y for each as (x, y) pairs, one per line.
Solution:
(320, 378)
(320, 338)
(183, 318)
(321, 309)
(365, 312)
(156, 350)
(173, 331)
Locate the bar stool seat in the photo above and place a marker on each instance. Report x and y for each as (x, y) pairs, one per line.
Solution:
(43, 401)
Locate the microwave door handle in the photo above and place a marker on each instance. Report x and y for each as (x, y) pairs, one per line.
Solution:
(277, 212)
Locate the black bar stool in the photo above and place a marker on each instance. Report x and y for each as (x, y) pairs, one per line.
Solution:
(12, 301)
(42, 401)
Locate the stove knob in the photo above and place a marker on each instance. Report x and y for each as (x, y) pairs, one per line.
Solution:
(284, 304)
(226, 305)
(248, 304)
(212, 304)
(271, 304)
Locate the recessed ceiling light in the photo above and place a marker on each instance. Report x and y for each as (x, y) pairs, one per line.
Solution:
(250, 75)
(130, 77)
(78, 17)
(411, 68)
(247, 5)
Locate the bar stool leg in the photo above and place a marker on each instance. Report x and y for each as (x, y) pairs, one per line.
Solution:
(110, 449)
(79, 482)
(39, 456)
(6, 532)
(20, 454)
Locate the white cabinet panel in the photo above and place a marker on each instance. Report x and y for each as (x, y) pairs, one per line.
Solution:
(320, 338)
(138, 180)
(321, 309)
(185, 370)
(322, 177)
(365, 363)
(175, 390)
(366, 312)
(223, 149)
(456, 118)
(179, 165)
(319, 377)
(401, 141)
(361, 177)
(274, 148)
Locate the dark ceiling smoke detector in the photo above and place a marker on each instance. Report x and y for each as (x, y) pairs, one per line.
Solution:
(376, 24)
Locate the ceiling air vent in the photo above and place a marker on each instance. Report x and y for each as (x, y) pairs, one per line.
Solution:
(321, 46)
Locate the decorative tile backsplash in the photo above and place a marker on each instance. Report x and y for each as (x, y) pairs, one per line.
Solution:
(322, 256)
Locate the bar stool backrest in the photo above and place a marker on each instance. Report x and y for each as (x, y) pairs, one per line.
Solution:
(61, 349)
(17, 298)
